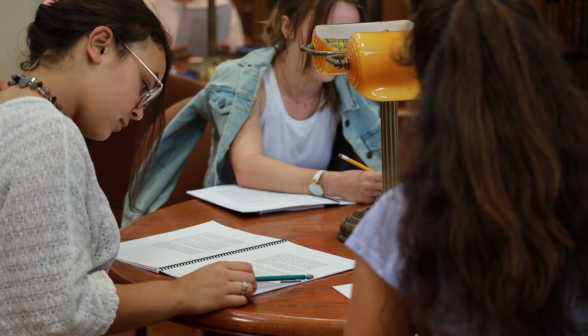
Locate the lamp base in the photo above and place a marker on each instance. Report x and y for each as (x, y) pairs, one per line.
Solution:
(349, 223)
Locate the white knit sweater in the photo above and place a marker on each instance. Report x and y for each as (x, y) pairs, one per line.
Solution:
(58, 236)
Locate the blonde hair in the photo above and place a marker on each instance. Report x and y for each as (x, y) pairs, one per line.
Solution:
(296, 12)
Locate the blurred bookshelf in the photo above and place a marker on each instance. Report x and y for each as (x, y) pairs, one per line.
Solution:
(568, 20)
(255, 12)
(253, 15)
(391, 10)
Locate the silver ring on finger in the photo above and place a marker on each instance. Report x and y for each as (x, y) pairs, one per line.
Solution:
(244, 288)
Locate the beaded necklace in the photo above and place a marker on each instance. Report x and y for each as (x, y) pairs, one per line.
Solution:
(34, 84)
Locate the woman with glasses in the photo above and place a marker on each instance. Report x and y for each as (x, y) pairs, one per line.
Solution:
(92, 69)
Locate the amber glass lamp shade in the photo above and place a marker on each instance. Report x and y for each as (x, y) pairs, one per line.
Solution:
(368, 53)
(373, 68)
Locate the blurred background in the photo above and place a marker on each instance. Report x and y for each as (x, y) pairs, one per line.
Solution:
(567, 19)
(15, 15)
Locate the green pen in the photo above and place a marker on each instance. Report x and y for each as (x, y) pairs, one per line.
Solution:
(285, 277)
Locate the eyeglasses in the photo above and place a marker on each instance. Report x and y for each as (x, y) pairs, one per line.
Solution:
(153, 93)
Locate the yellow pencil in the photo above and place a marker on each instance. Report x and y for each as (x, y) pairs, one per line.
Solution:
(355, 163)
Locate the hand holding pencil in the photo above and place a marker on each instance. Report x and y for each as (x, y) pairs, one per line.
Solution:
(361, 186)
(355, 163)
(369, 185)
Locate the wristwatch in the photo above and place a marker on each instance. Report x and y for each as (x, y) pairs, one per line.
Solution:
(314, 187)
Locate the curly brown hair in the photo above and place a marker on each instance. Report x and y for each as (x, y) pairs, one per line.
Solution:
(495, 233)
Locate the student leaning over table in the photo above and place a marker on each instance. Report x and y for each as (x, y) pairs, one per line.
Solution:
(488, 235)
(58, 236)
(263, 108)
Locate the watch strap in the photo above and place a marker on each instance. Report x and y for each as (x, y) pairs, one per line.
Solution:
(317, 176)
(314, 187)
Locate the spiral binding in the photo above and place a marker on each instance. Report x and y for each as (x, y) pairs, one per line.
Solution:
(247, 249)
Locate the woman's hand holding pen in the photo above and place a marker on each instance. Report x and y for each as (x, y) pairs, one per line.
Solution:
(215, 286)
(358, 186)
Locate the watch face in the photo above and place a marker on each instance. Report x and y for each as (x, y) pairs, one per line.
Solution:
(316, 189)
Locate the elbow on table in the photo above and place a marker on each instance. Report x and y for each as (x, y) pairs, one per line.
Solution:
(244, 175)
(246, 182)
(249, 169)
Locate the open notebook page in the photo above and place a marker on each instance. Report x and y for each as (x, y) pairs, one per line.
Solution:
(195, 242)
(280, 259)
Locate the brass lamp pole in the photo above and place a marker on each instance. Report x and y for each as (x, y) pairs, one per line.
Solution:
(389, 122)
(389, 117)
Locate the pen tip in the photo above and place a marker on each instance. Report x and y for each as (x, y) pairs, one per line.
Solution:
(340, 155)
(309, 276)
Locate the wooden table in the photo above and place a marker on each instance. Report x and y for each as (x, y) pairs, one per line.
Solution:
(314, 308)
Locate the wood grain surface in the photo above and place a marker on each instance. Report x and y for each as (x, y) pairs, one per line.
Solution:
(313, 308)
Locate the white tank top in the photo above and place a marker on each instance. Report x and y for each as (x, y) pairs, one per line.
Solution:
(304, 143)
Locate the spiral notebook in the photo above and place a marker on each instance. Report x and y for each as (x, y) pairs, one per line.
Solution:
(181, 252)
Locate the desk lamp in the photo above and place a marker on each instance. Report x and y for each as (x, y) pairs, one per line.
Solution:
(367, 53)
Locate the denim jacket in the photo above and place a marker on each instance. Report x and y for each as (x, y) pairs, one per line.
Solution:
(226, 102)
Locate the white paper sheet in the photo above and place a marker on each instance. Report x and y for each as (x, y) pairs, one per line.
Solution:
(345, 290)
(252, 200)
